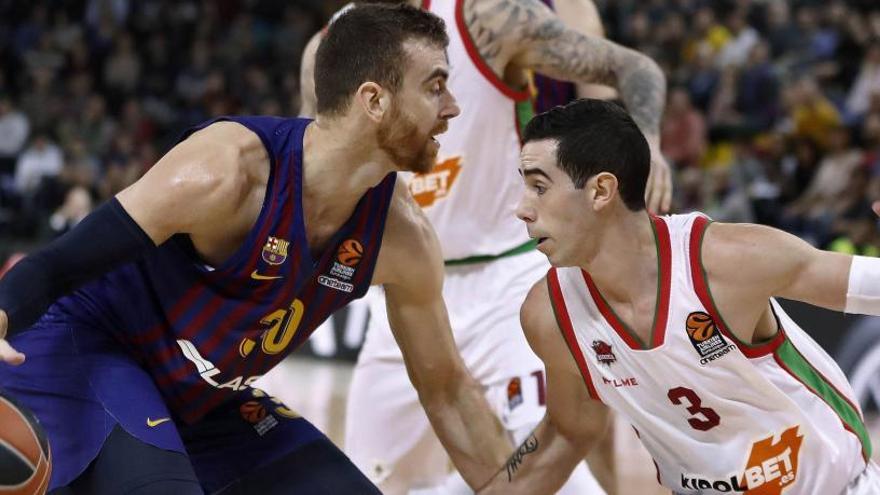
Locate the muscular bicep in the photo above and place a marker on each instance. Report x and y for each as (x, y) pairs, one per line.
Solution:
(755, 262)
(198, 184)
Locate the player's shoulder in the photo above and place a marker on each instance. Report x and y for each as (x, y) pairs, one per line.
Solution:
(406, 222)
(536, 313)
(408, 236)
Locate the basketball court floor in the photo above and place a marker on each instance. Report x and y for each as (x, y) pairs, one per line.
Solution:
(317, 390)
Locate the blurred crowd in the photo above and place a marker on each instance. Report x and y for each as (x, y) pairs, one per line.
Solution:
(773, 111)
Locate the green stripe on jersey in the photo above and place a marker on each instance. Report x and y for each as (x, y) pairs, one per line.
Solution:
(525, 110)
(804, 371)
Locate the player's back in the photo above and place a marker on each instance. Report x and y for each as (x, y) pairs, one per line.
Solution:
(205, 332)
(717, 415)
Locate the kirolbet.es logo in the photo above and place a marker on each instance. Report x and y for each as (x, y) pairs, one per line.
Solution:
(771, 468)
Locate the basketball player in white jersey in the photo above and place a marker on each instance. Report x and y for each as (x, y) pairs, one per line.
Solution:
(470, 198)
(672, 323)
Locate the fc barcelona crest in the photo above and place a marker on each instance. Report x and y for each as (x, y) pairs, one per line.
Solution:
(275, 250)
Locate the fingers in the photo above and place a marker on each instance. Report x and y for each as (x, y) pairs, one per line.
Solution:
(876, 207)
(9, 355)
(658, 194)
(666, 188)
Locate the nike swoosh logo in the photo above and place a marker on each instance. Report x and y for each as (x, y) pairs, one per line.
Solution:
(257, 276)
(154, 423)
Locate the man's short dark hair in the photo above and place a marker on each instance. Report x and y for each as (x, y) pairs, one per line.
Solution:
(366, 44)
(596, 136)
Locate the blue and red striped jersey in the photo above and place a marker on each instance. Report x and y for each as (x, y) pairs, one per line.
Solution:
(204, 333)
(550, 92)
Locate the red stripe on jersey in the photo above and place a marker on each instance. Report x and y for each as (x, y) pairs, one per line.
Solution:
(609, 315)
(665, 252)
(664, 280)
(477, 59)
(564, 320)
(701, 286)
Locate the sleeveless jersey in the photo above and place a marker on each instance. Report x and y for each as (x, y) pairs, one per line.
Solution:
(205, 333)
(471, 194)
(716, 414)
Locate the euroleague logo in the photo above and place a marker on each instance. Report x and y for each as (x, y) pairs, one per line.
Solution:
(705, 337)
(348, 255)
(700, 326)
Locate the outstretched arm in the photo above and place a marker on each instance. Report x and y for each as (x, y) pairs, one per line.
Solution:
(528, 35)
(411, 268)
(747, 264)
(574, 422)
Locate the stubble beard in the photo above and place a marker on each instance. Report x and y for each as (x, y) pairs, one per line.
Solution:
(401, 140)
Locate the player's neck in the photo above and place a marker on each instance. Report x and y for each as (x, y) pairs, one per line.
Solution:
(341, 161)
(625, 264)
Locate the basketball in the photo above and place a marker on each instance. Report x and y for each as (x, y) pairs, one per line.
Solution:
(25, 461)
(350, 252)
(700, 326)
(252, 411)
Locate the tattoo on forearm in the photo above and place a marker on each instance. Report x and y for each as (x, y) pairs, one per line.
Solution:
(516, 460)
(503, 27)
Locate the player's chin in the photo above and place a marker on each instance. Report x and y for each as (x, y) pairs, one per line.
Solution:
(426, 160)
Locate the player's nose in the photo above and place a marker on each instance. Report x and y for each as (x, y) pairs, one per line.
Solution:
(525, 212)
(450, 107)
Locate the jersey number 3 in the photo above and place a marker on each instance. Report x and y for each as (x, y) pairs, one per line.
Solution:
(702, 418)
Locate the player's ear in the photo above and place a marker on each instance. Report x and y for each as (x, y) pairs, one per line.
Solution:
(603, 188)
(373, 99)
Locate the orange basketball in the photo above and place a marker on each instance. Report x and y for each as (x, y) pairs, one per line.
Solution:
(25, 460)
(350, 252)
(252, 411)
(700, 326)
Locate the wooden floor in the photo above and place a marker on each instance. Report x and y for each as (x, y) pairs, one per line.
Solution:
(317, 390)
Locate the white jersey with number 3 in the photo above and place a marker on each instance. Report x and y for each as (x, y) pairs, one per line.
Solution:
(716, 414)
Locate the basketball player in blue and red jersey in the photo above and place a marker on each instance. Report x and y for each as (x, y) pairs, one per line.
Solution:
(145, 325)
(469, 198)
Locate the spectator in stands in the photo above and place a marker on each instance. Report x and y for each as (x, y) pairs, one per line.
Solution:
(14, 130)
(867, 83)
(41, 159)
(814, 211)
(757, 94)
(812, 113)
(683, 130)
(743, 38)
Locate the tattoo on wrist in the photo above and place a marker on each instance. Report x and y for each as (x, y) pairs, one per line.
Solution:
(516, 460)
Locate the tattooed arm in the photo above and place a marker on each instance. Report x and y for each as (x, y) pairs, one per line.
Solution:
(573, 423)
(583, 16)
(526, 34)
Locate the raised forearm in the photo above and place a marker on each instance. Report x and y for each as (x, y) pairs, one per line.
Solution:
(642, 88)
(469, 431)
(541, 464)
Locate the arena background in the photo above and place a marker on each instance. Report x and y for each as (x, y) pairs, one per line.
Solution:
(773, 112)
